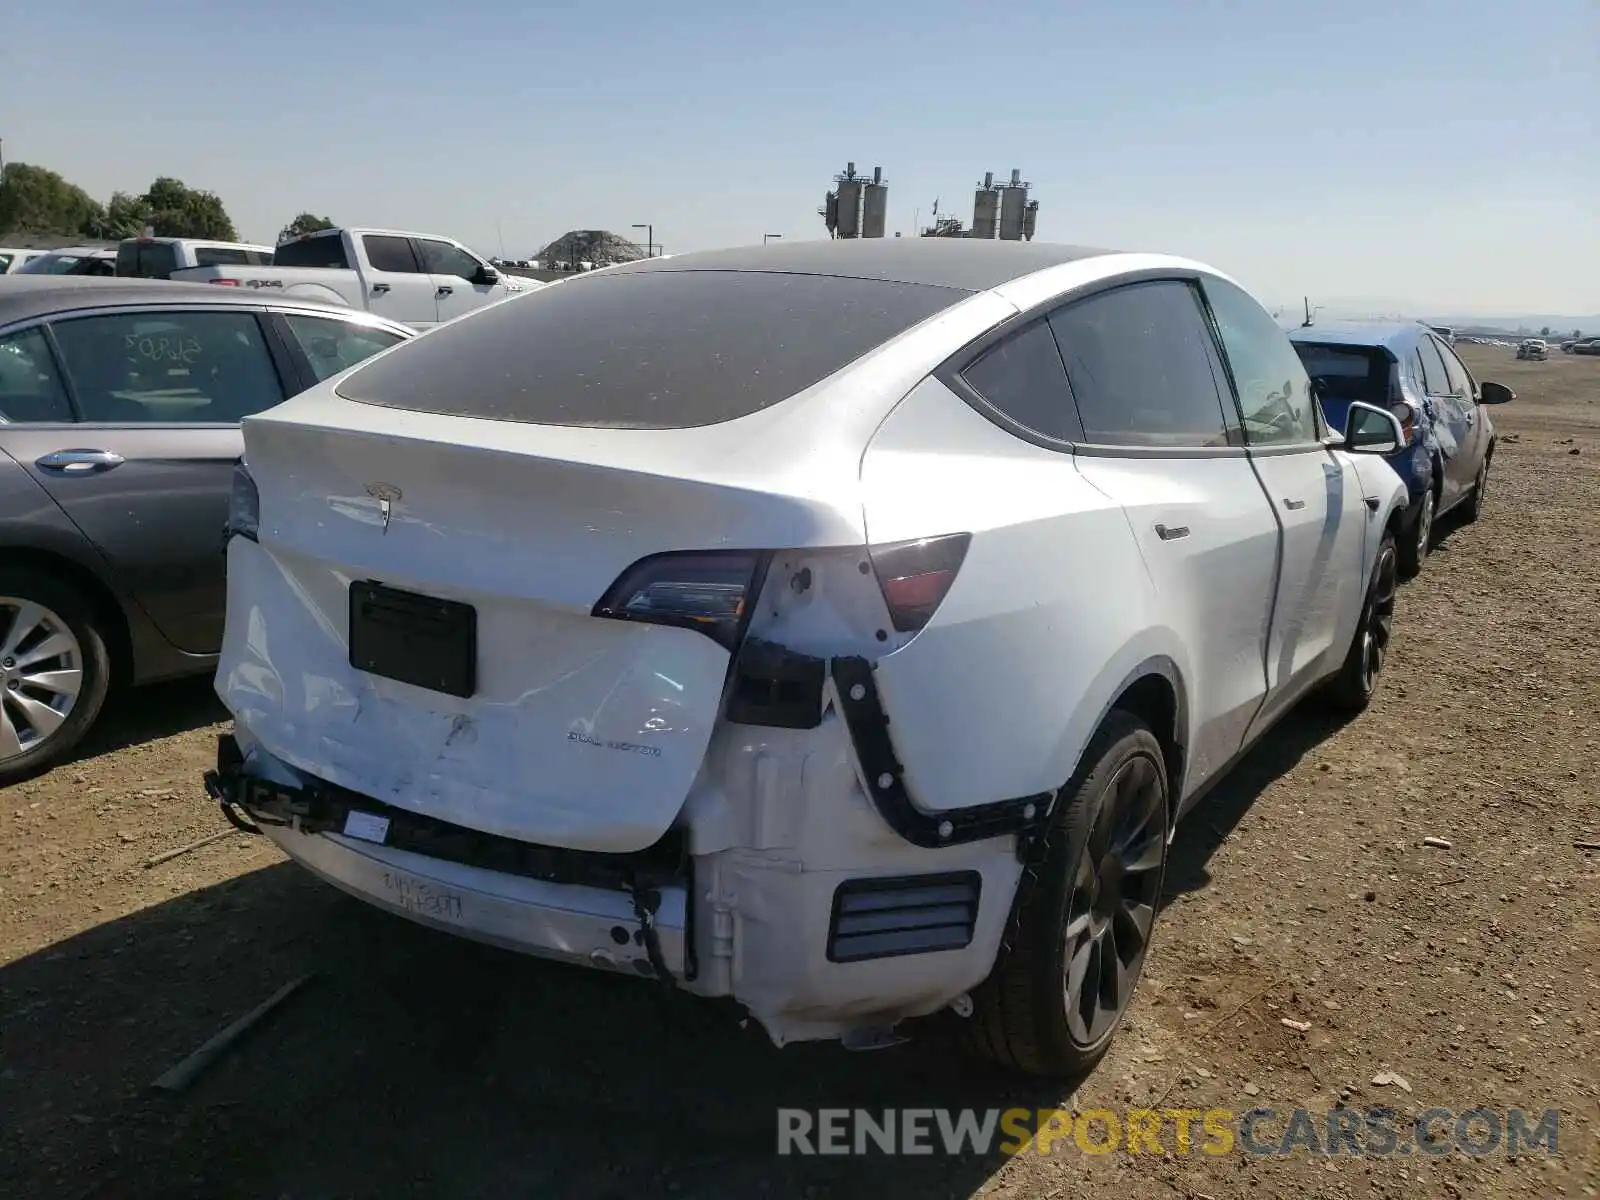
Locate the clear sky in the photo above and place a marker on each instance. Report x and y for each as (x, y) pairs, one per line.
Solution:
(1440, 156)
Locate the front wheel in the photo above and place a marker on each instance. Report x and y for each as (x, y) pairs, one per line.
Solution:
(1085, 916)
(1480, 491)
(1353, 687)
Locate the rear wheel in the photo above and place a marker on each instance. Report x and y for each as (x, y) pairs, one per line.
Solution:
(1353, 687)
(54, 671)
(1413, 549)
(1084, 920)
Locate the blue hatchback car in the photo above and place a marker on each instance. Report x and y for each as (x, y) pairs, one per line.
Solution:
(1408, 369)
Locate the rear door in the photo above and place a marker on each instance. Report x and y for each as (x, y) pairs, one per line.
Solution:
(1451, 427)
(145, 470)
(1156, 439)
(397, 285)
(453, 272)
(1317, 504)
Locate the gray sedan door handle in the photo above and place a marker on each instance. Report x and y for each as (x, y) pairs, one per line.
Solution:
(445, 291)
(1168, 533)
(1294, 505)
(79, 462)
(379, 288)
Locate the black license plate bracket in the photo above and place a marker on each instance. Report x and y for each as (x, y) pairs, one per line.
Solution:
(416, 639)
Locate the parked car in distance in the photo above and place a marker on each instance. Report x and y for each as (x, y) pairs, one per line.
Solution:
(13, 259)
(1446, 334)
(159, 257)
(73, 260)
(1407, 369)
(759, 620)
(416, 278)
(1589, 345)
(1536, 349)
(120, 403)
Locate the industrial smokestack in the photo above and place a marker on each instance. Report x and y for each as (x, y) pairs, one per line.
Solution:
(1016, 177)
(988, 179)
(877, 174)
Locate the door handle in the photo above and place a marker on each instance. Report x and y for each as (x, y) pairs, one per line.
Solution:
(1169, 533)
(445, 291)
(379, 288)
(79, 462)
(1294, 505)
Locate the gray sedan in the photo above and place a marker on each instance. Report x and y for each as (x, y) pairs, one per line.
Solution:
(120, 403)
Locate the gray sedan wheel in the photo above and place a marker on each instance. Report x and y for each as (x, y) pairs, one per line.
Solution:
(54, 672)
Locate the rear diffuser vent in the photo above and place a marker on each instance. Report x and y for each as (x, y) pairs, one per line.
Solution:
(914, 914)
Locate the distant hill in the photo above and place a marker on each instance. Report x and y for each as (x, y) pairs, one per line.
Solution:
(597, 246)
(1523, 323)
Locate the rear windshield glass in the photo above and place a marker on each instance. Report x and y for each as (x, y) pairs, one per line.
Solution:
(648, 350)
(327, 251)
(146, 260)
(1347, 372)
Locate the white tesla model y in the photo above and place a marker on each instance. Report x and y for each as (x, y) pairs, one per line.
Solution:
(840, 627)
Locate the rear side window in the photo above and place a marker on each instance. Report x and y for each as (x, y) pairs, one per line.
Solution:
(331, 345)
(323, 252)
(387, 253)
(1140, 364)
(652, 350)
(30, 386)
(133, 368)
(1024, 379)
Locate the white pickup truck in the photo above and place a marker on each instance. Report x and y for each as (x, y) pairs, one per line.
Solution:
(418, 279)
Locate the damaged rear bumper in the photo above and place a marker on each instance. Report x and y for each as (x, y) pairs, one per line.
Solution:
(627, 913)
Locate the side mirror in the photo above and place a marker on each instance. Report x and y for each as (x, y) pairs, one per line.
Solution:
(1495, 393)
(1372, 430)
(486, 276)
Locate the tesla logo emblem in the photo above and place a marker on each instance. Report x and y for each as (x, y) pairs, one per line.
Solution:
(385, 494)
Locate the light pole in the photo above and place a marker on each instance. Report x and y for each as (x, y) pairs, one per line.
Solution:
(767, 237)
(649, 239)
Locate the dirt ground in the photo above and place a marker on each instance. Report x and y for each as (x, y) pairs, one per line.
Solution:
(416, 1065)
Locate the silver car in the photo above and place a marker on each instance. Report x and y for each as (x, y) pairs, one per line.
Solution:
(120, 403)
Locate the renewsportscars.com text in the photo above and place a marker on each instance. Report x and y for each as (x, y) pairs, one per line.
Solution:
(1371, 1132)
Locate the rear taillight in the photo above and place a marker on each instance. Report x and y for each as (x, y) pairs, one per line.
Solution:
(224, 282)
(1405, 415)
(244, 505)
(710, 591)
(915, 576)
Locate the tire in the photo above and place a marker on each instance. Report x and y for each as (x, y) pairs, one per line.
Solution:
(1028, 1015)
(1473, 509)
(38, 608)
(1353, 687)
(1413, 549)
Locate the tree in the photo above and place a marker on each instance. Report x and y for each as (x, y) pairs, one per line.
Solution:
(125, 216)
(303, 224)
(177, 210)
(36, 200)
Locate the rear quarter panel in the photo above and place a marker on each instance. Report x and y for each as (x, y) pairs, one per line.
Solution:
(1050, 616)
